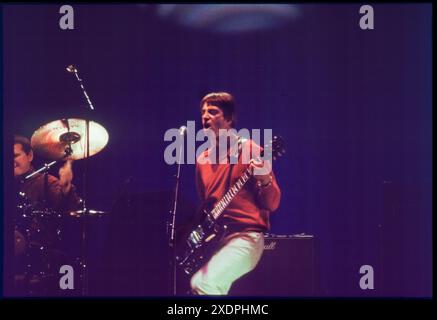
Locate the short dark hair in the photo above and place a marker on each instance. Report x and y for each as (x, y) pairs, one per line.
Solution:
(225, 101)
(25, 143)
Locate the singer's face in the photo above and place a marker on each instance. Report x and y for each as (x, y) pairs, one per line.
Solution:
(213, 118)
(22, 160)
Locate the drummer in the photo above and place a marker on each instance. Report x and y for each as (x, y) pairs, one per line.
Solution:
(44, 191)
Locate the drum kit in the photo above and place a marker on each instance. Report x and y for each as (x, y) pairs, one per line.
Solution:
(39, 229)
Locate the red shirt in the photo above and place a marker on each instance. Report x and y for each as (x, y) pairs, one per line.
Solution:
(250, 208)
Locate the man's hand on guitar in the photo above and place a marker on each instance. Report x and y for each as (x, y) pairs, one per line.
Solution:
(261, 172)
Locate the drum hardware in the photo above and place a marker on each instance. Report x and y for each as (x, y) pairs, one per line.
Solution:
(67, 139)
(38, 235)
(60, 140)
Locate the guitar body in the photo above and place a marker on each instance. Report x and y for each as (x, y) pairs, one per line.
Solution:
(200, 244)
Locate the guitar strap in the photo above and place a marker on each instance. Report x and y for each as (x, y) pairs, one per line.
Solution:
(231, 164)
(231, 167)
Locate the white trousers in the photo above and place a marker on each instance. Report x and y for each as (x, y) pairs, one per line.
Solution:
(239, 255)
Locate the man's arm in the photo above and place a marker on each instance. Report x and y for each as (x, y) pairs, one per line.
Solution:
(62, 193)
(268, 194)
(65, 177)
(59, 199)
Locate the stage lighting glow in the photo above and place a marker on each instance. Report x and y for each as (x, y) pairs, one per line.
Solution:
(229, 18)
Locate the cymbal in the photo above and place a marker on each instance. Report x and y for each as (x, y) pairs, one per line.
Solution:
(51, 140)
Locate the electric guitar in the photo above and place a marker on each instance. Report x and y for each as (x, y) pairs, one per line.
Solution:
(203, 240)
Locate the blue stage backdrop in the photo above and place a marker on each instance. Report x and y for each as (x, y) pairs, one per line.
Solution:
(353, 106)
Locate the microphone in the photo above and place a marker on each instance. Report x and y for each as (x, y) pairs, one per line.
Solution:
(71, 68)
(182, 130)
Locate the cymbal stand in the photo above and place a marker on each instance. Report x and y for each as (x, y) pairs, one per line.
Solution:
(47, 166)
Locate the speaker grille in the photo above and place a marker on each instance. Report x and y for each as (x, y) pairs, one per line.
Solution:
(287, 268)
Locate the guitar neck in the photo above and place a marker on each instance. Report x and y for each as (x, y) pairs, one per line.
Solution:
(231, 193)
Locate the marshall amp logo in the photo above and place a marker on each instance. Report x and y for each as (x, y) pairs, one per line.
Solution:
(271, 240)
(270, 246)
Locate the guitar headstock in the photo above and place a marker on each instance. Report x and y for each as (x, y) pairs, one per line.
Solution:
(276, 147)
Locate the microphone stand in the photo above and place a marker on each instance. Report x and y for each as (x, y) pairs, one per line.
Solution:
(172, 240)
(85, 214)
